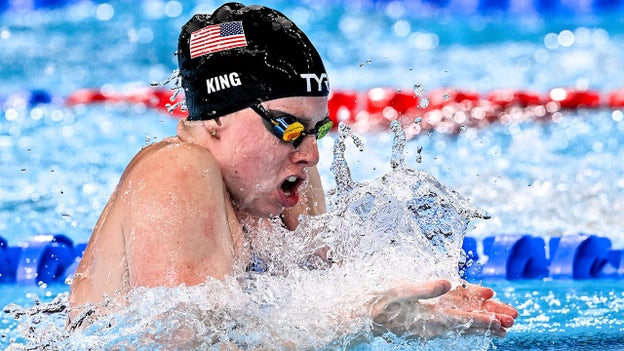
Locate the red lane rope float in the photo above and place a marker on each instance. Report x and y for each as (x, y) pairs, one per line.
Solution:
(445, 110)
(573, 99)
(150, 97)
(450, 110)
(616, 99)
(90, 96)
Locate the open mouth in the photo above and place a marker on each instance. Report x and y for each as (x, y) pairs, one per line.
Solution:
(290, 185)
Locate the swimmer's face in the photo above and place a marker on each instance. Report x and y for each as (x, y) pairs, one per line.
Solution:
(263, 173)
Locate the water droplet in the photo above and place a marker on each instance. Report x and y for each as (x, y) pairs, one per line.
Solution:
(423, 102)
(419, 154)
(398, 145)
(419, 89)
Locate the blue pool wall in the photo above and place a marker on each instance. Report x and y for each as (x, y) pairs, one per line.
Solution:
(53, 258)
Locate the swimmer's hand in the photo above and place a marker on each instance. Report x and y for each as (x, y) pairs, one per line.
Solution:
(429, 310)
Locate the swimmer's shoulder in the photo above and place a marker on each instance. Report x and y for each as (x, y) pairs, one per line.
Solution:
(174, 156)
(174, 147)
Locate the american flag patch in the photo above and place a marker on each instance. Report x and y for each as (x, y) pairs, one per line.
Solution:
(217, 37)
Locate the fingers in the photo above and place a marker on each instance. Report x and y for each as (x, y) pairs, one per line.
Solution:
(481, 291)
(475, 291)
(479, 298)
(505, 313)
(407, 294)
(506, 321)
(417, 291)
(482, 323)
(476, 319)
(500, 308)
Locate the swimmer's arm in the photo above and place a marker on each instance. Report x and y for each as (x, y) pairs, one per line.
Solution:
(175, 226)
(311, 202)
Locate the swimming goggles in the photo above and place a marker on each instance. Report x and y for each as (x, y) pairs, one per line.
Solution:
(289, 128)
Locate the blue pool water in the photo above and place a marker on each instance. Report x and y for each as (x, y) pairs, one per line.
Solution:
(555, 315)
(547, 179)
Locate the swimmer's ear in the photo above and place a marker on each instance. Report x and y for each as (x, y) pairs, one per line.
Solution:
(212, 128)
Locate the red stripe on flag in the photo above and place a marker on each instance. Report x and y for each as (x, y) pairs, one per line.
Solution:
(209, 39)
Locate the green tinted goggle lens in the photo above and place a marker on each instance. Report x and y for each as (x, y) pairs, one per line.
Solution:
(322, 128)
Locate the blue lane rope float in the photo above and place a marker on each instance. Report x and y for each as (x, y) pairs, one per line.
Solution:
(522, 256)
(44, 258)
(8, 261)
(579, 256)
(514, 257)
(53, 258)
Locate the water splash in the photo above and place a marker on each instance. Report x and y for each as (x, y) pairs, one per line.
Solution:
(398, 145)
(176, 88)
(317, 282)
(339, 166)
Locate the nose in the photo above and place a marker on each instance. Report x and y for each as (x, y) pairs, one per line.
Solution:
(307, 152)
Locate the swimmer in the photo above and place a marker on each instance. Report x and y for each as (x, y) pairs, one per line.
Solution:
(256, 91)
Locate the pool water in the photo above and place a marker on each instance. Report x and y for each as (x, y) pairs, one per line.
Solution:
(554, 315)
(60, 164)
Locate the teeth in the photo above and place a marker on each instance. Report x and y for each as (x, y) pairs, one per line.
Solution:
(292, 179)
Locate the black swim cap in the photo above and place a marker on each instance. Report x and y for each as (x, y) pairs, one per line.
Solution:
(243, 54)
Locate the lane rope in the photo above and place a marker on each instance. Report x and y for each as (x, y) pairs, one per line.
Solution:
(446, 110)
(53, 258)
